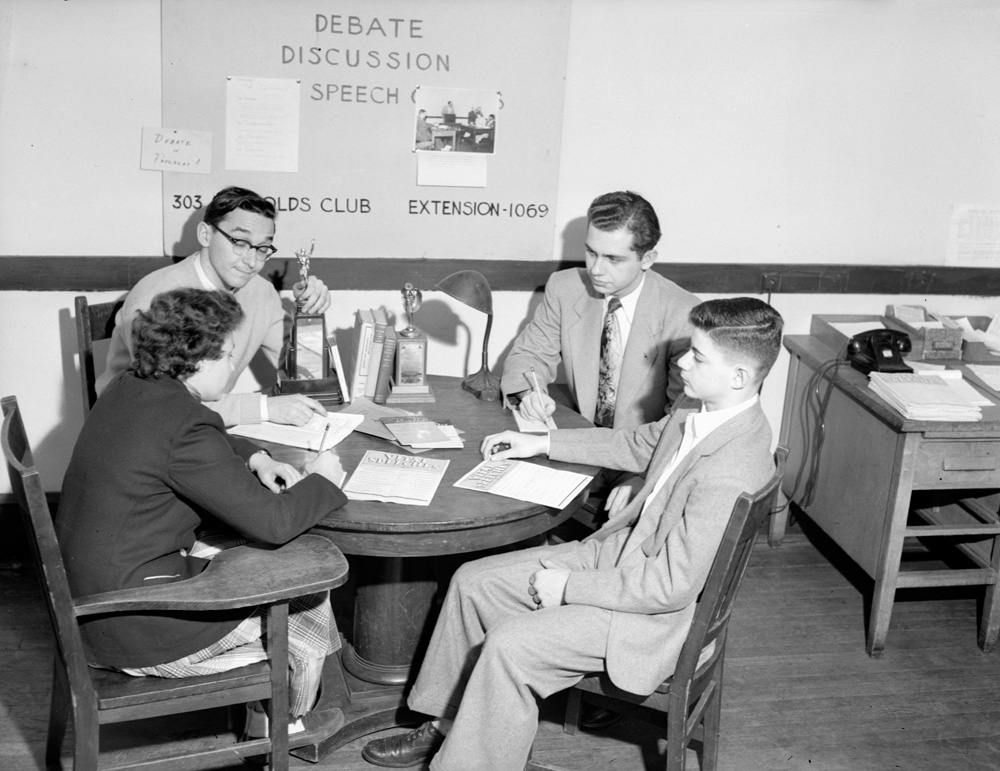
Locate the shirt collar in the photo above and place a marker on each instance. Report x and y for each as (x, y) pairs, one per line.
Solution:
(629, 301)
(206, 282)
(702, 423)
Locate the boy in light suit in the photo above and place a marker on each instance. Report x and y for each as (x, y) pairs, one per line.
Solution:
(519, 627)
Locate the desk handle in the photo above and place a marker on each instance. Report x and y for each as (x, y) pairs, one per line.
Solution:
(970, 464)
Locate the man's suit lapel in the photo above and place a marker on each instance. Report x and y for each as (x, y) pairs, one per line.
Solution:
(733, 427)
(669, 441)
(641, 352)
(585, 343)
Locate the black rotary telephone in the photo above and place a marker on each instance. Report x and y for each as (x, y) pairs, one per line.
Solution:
(880, 350)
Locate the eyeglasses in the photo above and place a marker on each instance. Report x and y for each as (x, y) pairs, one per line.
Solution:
(264, 252)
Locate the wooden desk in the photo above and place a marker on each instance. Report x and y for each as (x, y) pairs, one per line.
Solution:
(856, 470)
(394, 551)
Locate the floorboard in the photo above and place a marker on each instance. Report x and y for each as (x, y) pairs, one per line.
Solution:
(799, 691)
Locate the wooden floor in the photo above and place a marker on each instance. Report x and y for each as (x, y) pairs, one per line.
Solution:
(800, 693)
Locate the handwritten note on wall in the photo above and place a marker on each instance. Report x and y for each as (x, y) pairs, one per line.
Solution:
(166, 149)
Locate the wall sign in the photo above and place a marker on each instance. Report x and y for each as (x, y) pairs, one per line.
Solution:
(348, 178)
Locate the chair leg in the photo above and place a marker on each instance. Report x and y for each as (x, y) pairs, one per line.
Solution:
(86, 737)
(58, 716)
(711, 723)
(571, 721)
(277, 707)
(989, 625)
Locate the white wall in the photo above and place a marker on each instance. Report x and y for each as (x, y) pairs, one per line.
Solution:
(730, 116)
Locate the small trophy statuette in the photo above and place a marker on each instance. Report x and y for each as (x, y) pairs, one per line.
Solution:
(411, 355)
(303, 258)
(412, 299)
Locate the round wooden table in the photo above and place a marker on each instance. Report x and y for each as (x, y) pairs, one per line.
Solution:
(395, 552)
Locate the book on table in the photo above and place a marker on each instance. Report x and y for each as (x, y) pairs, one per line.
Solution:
(392, 478)
(361, 349)
(338, 366)
(375, 356)
(383, 384)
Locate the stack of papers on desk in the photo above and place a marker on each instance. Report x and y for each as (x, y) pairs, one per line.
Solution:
(320, 433)
(385, 476)
(955, 380)
(923, 397)
(525, 482)
(988, 374)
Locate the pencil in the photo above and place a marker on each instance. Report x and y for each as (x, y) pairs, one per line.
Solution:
(321, 441)
(534, 379)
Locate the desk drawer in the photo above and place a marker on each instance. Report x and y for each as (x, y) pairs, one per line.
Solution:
(958, 463)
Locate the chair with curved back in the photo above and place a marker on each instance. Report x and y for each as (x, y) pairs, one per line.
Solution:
(689, 702)
(93, 322)
(242, 577)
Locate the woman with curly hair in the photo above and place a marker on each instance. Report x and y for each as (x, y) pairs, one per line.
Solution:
(153, 466)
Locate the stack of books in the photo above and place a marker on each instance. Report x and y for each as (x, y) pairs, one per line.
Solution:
(923, 397)
(373, 356)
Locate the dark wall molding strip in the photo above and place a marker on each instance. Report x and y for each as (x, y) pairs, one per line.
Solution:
(83, 274)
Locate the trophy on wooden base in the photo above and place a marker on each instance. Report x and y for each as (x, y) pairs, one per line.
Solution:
(411, 356)
(307, 360)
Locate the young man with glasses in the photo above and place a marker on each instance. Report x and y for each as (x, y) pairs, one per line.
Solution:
(236, 237)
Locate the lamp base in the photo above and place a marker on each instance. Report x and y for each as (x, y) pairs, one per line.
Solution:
(484, 384)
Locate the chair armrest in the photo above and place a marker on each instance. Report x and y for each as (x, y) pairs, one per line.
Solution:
(242, 577)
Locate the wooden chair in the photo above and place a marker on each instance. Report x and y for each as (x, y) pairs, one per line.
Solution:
(242, 577)
(93, 322)
(692, 696)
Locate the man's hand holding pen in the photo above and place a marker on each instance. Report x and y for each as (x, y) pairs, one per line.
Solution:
(511, 444)
(536, 404)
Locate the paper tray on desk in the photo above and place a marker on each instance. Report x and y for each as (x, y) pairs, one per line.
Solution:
(977, 352)
(822, 327)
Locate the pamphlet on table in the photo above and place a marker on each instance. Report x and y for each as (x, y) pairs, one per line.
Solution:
(386, 476)
(320, 433)
(525, 481)
(424, 433)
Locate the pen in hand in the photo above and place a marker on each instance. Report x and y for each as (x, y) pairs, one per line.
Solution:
(534, 379)
(323, 439)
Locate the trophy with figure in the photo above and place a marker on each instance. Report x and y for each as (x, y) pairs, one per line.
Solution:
(411, 355)
(307, 359)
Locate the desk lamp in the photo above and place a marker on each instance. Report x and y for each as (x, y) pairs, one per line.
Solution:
(471, 288)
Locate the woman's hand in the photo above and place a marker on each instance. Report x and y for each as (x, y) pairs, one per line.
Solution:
(274, 475)
(328, 465)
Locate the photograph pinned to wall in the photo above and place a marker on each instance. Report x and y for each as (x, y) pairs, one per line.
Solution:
(458, 120)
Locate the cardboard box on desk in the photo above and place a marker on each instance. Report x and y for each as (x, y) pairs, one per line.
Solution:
(948, 343)
(944, 343)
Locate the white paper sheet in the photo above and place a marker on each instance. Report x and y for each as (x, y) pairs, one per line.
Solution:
(525, 482)
(314, 435)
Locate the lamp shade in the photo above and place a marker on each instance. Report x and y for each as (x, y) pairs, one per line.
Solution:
(469, 287)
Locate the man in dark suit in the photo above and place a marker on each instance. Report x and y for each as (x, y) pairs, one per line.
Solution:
(518, 627)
